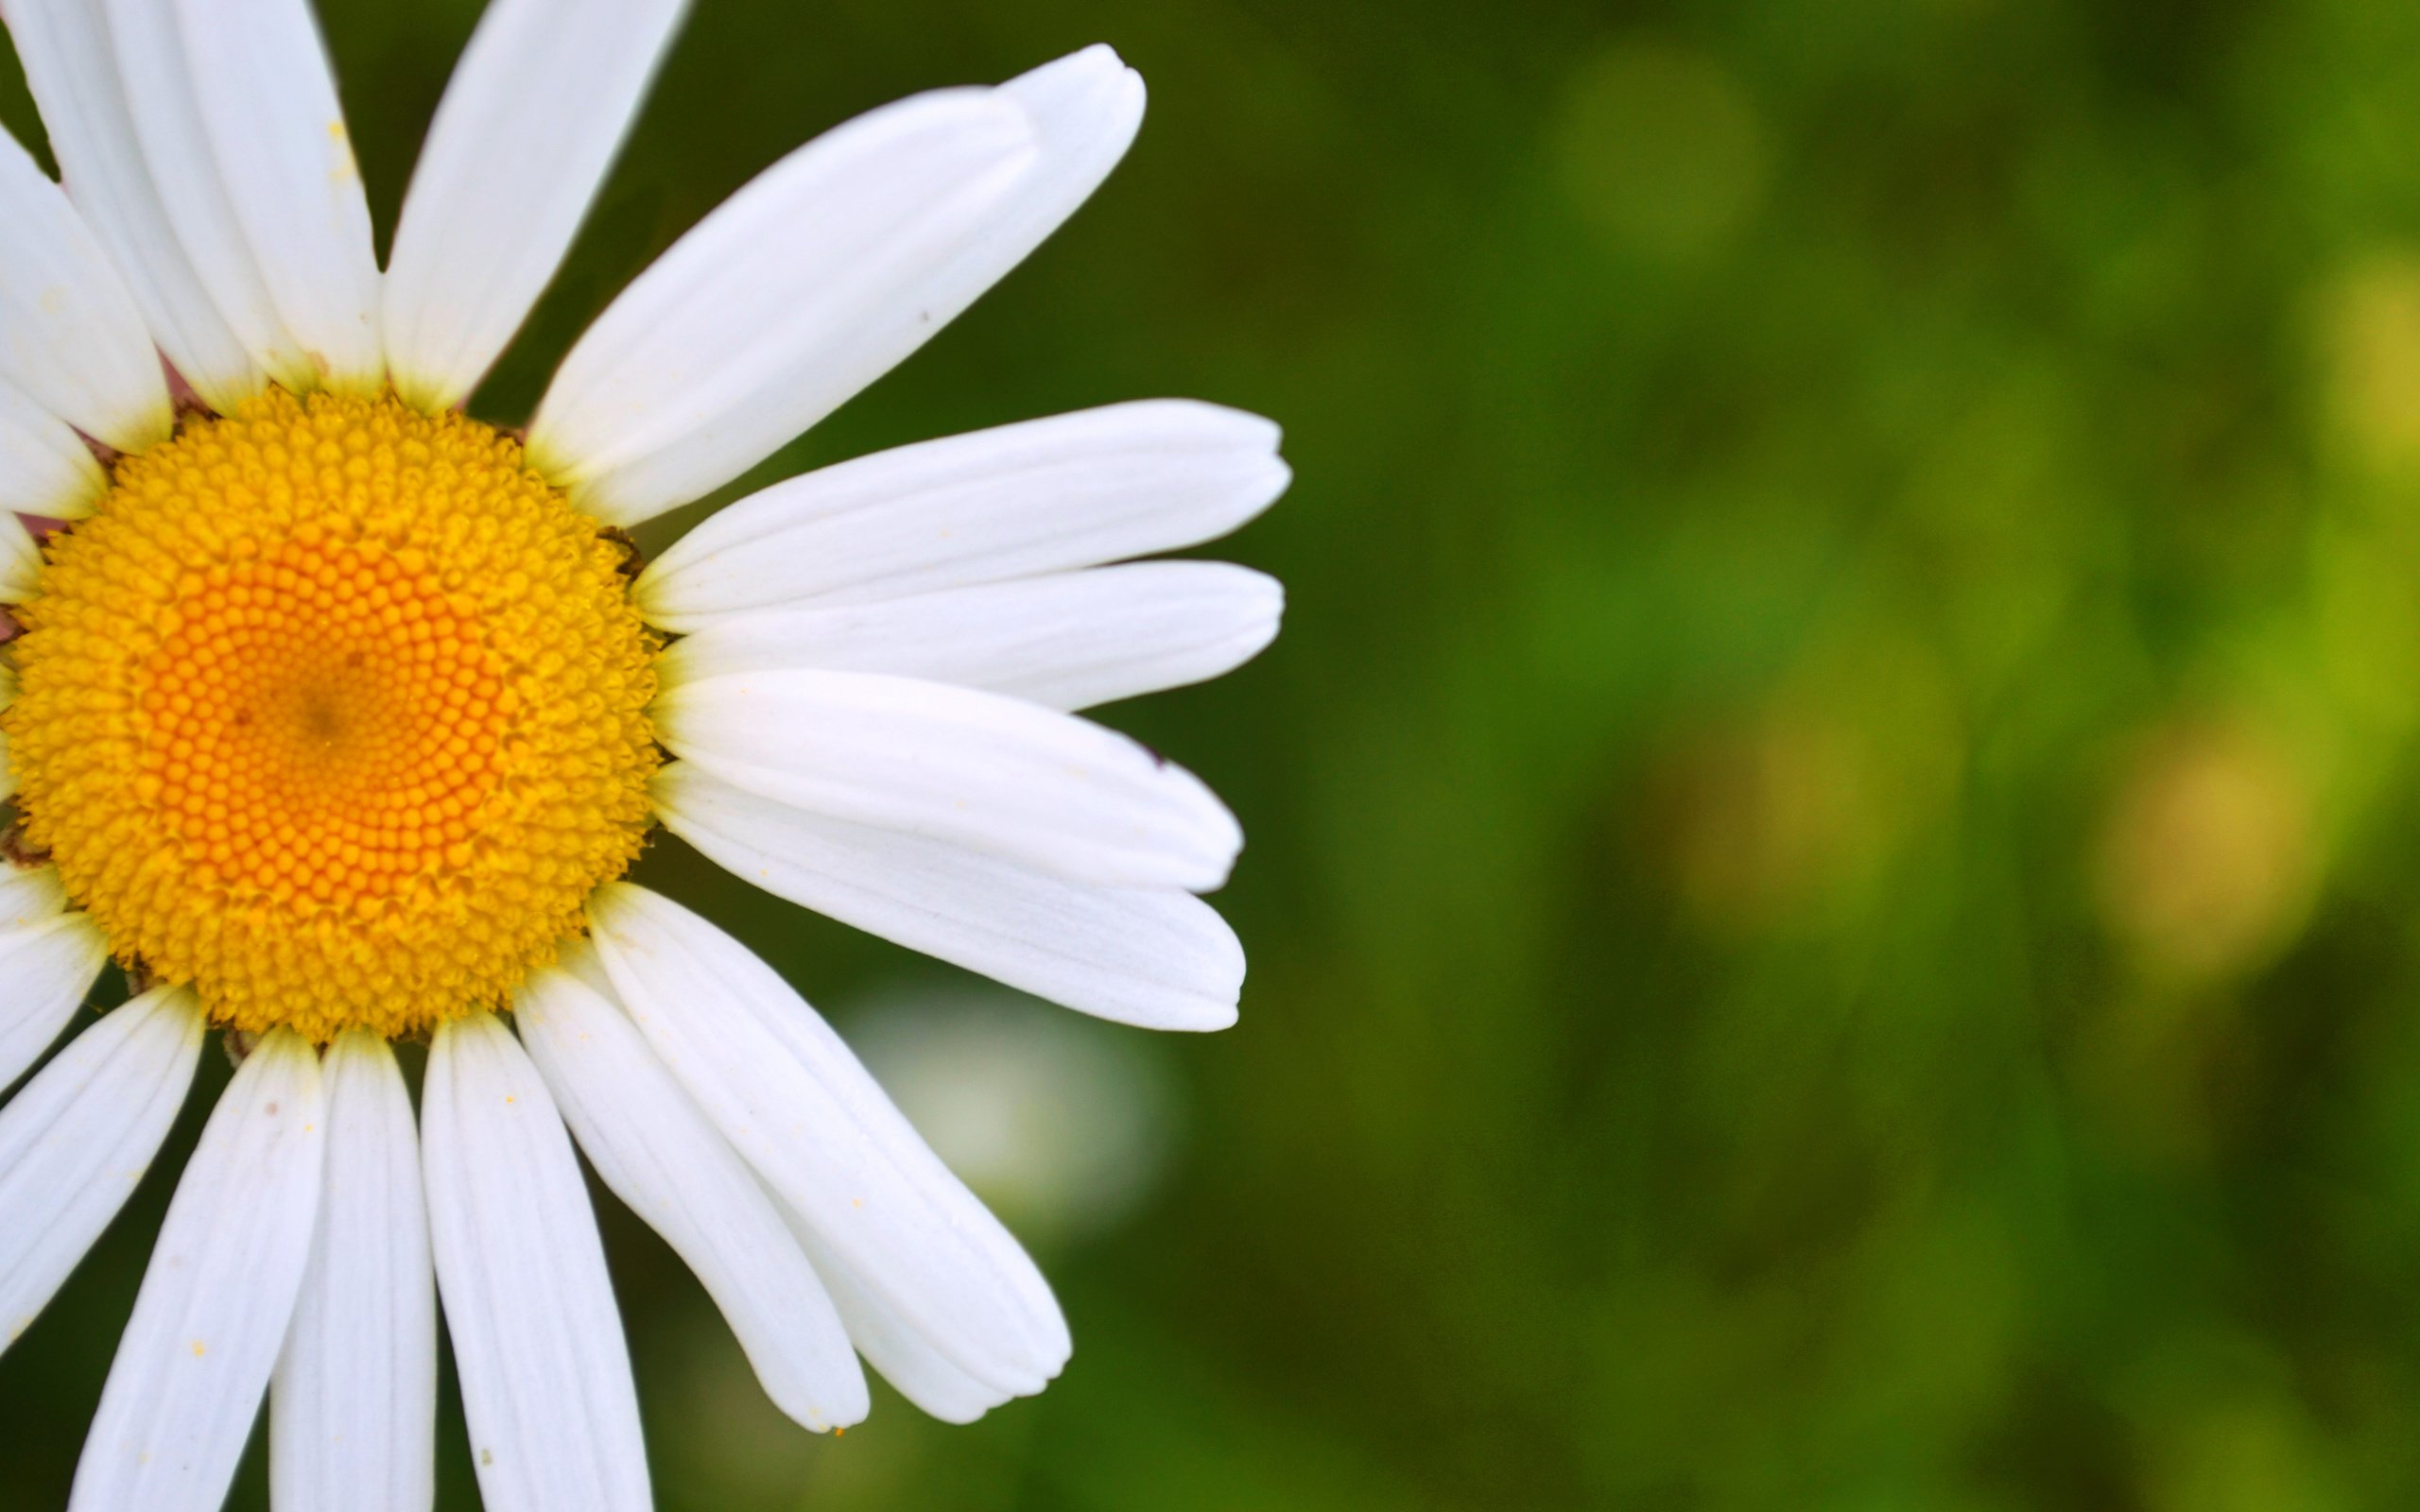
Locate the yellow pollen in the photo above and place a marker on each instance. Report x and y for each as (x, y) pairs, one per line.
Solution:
(336, 710)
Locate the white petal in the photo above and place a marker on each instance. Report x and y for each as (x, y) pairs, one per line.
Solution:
(28, 894)
(547, 1385)
(1027, 783)
(1086, 108)
(1163, 960)
(919, 1372)
(580, 958)
(890, 1342)
(726, 348)
(19, 577)
(217, 1298)
(70, 334)
(45, 468)
(71, 66)
(1101, 485)
(46, 966)
(651, 1145)
(353, 1407)
(537, 110)
(237, 117)
(798, 1106)
(267, 101)
(76, 1141)
(1065, 641)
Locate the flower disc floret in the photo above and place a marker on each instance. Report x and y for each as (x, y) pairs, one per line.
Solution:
(336, 711)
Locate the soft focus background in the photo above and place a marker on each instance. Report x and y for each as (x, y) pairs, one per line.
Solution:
(1834, 847)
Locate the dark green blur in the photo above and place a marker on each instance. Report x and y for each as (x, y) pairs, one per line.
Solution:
(1833, 843)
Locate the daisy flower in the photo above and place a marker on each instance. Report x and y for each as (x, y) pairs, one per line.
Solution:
(336, 717)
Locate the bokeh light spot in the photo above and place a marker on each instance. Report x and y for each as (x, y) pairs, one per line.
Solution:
(1662, 150)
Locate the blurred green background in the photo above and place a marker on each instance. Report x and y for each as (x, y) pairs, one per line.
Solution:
(1832, 866)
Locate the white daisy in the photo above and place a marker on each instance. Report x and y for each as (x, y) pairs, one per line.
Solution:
(336, 715)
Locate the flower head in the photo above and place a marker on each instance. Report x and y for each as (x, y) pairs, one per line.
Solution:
(336, 716)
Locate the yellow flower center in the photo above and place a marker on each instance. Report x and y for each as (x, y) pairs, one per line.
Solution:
(337, 711)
